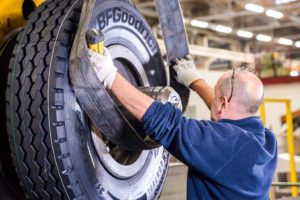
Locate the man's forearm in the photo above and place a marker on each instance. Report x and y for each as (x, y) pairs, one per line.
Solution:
(204, 91)
(131, 98)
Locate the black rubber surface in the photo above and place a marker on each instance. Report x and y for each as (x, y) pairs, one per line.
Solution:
(9, 182)
(50, 139)
(26, 98)
(28, 7)
(175, 39)
(122, 26)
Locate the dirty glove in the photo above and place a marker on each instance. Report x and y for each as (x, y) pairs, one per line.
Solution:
(186, 70)
(104, 67)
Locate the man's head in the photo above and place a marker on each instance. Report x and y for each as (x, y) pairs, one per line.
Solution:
(238, 94)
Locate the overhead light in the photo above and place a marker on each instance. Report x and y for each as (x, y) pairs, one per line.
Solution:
(254, 8)
(223, 29)
(283, 1)
(294, 73)
(297, 44)
(274, 14)
(199, 24)
(285, 41)
(263, 38)
(245, 34)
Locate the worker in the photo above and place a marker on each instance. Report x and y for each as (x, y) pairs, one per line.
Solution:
(229, 157)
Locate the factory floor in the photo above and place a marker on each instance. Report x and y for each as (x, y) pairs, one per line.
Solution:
(174, 189)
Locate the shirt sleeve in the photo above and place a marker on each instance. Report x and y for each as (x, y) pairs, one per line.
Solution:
(205, 146)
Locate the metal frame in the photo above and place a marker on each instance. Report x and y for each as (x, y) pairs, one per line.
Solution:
(290, 137)
(216, 53)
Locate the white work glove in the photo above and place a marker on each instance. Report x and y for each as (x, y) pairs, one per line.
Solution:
(104, 67)
(186, 71)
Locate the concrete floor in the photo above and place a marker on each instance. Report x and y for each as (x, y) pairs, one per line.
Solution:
(175, 187)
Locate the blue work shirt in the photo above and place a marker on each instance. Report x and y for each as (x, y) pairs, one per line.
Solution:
(228, 159)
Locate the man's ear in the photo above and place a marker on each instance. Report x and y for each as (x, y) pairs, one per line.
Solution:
(224, 104)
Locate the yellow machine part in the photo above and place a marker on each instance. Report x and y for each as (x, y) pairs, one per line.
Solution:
(98, 48)
(38, 2)
(11, 15)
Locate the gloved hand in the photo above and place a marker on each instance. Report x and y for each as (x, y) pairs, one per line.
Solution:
(186, 70)
(104, 67)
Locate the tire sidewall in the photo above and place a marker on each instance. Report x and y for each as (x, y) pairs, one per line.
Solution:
(81, 172)
(119, 20)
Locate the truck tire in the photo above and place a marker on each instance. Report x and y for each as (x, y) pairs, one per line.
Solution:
(9, 182)
(57, 152)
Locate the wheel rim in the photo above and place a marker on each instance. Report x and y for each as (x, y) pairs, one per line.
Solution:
(119, 163)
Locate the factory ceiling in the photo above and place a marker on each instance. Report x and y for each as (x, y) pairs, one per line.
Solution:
(239, 19)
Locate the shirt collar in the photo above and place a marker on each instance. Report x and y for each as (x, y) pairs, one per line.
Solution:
(251, 124)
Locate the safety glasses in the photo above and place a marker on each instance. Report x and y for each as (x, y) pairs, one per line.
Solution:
(242, 68)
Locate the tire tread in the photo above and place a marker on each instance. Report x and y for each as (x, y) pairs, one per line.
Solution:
(26, 97)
